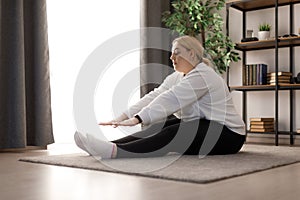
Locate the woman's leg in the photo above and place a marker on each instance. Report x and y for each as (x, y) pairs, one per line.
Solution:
(173, 138)
(186, 138)
(151, 130)
(219, 140)
(228, 143)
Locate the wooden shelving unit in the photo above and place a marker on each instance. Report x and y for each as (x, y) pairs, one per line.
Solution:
(268, 44)
(266, 87)
(250, 5)
(281, 42)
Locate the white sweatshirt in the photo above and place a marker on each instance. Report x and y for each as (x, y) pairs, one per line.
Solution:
(201, 93)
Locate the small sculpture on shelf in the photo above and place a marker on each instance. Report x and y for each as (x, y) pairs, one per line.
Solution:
(297, 78)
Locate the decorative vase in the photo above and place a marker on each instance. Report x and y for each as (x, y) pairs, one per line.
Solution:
(263, 35)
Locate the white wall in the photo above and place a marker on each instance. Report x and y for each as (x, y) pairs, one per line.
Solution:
(76, 28)
(261, 104)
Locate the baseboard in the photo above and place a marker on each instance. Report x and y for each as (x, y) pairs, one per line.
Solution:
(270, 139)
(27, 148)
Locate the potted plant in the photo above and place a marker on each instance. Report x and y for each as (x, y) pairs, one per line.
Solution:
(201, 19)
(264, 31)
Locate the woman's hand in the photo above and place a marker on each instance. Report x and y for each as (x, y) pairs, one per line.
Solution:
(109, 123)
(128, 122)
(114, 121)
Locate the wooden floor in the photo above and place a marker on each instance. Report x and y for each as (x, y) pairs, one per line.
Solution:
(27, 181)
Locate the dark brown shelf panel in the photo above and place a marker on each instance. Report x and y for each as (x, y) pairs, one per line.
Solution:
(273, 133)
(265, 87)
(268, 44)
(252, 87)
(248, 5)
(289, 86)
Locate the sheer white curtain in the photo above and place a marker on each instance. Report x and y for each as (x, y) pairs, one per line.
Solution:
(76, 28)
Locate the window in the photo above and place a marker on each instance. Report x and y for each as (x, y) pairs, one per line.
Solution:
(76, 28)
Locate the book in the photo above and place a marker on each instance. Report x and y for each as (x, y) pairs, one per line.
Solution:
(263, 71)
(262, 122)
(250, 75)
(281, 74)
(261, 126)
(282, 78)
(258, 74)
(254, 74)
(280, 81)
(245, 75)
(262, 119)
(279, 77)
(262, 130)
(298, 130)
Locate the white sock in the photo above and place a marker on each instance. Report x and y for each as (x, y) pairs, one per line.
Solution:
(81, 141)
(101, 148)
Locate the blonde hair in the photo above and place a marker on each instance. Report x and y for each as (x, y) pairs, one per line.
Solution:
(189, 43)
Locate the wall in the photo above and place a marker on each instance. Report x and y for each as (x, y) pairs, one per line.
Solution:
(261, 104)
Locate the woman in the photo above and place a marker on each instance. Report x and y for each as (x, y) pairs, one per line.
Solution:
(205, 122)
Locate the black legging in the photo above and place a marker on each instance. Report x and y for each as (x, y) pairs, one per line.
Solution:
(181, 137)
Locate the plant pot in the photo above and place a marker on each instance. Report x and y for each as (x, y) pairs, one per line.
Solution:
(263, 35)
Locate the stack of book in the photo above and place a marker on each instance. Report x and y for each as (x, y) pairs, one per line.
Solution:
(255, 74)
(283, 78)
(262, 124)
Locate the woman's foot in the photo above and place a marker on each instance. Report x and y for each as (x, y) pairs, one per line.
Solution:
(101, 148)
(81, 141)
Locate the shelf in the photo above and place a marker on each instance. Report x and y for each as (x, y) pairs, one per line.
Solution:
(268, 44)
(289, 86)
(249, 5)
(273, 133)
(265, 87)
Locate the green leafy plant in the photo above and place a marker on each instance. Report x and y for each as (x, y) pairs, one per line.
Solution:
(200, 18)
(264, 27)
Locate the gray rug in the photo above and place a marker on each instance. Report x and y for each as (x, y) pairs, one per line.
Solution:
(252, 158)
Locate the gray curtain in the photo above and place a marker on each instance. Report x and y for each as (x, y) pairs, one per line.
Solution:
(151, 16)
(25, 107)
